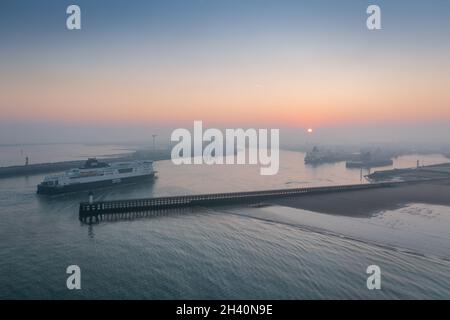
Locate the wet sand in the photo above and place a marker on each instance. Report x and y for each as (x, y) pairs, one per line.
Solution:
(367, 202)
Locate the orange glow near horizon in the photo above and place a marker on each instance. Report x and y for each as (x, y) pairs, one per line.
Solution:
(316, 98)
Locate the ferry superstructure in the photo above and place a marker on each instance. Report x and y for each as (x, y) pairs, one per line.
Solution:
(95, 174)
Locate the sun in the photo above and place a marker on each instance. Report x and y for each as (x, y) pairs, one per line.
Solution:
(310, 130)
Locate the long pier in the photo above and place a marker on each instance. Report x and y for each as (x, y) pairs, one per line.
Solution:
(41, 168)
(102, 210)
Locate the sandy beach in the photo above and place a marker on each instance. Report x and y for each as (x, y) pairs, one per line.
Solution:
(368, 202)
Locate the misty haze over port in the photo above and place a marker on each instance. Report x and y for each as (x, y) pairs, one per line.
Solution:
(289, 65)
(365, 112)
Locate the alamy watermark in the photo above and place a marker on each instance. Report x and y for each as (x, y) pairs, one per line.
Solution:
(235, 146)
(374, 280)
(73, 21)
(73, 282)
(373, 22)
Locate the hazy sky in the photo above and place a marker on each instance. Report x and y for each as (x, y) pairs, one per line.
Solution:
(282, 64)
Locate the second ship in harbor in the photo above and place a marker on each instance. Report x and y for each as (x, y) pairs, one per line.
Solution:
(362, 159)
(95, 174)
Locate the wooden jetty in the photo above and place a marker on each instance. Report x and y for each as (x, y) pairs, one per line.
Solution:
(103, 210)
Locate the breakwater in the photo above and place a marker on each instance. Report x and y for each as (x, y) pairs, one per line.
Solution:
(39, 168)
(102, 210)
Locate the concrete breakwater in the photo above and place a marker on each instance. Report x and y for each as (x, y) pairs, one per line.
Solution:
(431, 172)
(39, 168)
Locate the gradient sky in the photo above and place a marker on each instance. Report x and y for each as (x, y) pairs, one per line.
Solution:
(272, 63)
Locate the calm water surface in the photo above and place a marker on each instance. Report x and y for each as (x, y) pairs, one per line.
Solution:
(263, 253)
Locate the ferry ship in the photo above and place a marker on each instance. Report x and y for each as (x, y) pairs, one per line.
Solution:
(369, 163)
(319, 156)
(370, 160)
(95, 174)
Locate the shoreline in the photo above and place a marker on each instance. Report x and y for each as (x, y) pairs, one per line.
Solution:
(365, 203)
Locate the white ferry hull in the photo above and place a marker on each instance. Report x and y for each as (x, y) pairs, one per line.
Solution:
(85, 186)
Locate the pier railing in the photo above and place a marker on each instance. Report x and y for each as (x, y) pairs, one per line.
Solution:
(96, 211)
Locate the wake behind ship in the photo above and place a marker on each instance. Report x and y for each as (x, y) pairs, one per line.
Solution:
(96, 174)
